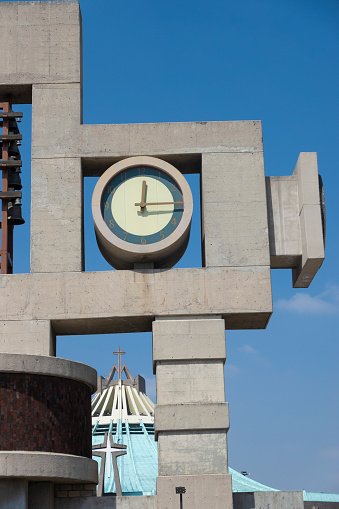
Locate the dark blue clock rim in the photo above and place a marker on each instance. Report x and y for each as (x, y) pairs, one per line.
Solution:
(133, 172)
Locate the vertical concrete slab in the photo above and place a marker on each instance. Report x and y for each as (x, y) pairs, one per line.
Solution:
(234, 210)
(310, 217)
(13, 494)
(41, 495)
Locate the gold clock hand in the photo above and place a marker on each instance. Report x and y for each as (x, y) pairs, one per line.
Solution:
(142, 204)
(158, 203)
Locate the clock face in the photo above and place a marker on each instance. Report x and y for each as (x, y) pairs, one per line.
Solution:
(142, 210)
(142, 205)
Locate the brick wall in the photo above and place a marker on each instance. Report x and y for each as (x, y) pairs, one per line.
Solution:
(75, 490)
(44, 413)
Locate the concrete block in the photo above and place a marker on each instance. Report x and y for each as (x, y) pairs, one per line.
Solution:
(78, 303)
(234, 210)
(57, 216)
(187, 453)
(56, 118)
(202, 491)
(283, 221)
(192, 416)
(188, 339)
(13, 494)
(27, 337)
(42, 41)
(268, 499)
(190, 382)
(41, 495)
(180, 139)
(312, 235)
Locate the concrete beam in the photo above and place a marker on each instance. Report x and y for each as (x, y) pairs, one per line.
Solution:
(27, 337)
(80, 303)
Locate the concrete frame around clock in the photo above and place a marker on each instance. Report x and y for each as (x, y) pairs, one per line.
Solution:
(244, 234)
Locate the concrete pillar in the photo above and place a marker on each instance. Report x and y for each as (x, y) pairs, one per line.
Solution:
(57, 184)
(41, 495)
(191, 416)
(13, 494)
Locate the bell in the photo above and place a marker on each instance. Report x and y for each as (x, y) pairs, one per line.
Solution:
(13, 127)
(13, 151)
(14, 213)
(14, 180)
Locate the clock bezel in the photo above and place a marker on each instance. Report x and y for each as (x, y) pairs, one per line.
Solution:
(122, 254)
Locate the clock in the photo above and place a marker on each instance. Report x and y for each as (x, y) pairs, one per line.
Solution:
(142, 210)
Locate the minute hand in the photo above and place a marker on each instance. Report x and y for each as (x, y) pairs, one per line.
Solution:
(160, 203)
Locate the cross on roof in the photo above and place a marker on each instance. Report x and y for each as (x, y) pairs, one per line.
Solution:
(119, 353)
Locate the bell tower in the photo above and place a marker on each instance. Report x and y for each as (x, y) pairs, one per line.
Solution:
(250, 225)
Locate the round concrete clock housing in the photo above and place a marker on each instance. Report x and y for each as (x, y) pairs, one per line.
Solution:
(142, 210)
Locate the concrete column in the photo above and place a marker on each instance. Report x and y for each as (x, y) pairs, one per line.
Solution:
(41, 495)
(33, 337)
(57, 184)
(191, 416)
(13, 494)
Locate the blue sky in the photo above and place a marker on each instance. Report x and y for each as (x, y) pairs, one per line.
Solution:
(276, 61)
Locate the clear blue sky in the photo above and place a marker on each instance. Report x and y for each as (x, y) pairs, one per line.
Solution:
(276, 61)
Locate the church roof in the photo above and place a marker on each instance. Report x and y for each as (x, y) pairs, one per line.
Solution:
(120, 408)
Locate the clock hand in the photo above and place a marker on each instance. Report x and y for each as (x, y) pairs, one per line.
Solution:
(143, 204)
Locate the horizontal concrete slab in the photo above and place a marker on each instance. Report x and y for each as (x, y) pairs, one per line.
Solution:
(52, 366)
(128, 301)
(193, 416)
(46, 466)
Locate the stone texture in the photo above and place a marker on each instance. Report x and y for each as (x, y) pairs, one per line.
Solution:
(234, 210)
(202, 491)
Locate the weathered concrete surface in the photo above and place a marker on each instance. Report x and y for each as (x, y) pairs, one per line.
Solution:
(312, 240)
(173, 340)
(198, 492)
(127, 301)
(145, 502)
(192, 453)
(43, 44)
(47, 466)
(189, 416)
(27, 337)
(234, 210)
(269, 499)
(13, 494)
(57, 216)
(190, 382)
(48, 365)
(283, 221)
